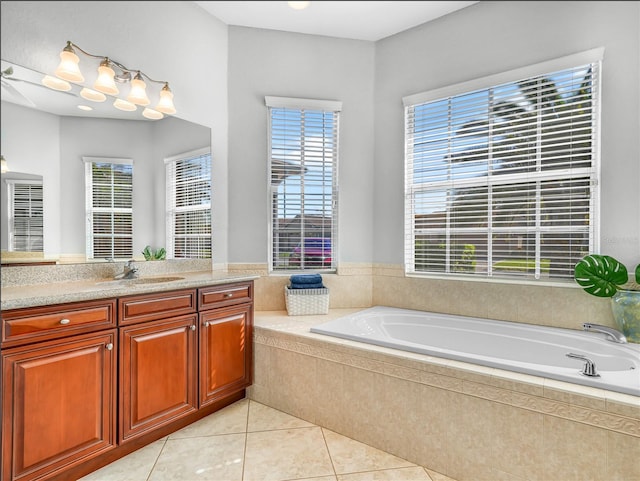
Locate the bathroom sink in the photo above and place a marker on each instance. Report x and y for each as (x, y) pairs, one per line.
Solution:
(139, 281)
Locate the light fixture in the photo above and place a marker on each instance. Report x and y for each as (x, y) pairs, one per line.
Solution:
(105, 83)
(92, 95)
(152, 114)
(56, 83)
(124, 105)
(3, 165)
(299, 5)
(165, 105)
(111, 72)
(138, 93)
(68, 68)
(86, 108)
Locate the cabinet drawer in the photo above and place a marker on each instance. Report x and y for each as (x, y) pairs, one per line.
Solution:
(33, 324)
(149, 307)
(225, 295)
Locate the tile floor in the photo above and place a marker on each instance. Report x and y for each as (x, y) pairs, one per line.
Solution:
(248, 441)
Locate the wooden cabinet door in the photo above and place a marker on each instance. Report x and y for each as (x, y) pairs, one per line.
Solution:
(158, 382)
(58, 404)
(226, 339)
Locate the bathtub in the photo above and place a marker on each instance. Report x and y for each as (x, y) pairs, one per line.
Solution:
(536, 350)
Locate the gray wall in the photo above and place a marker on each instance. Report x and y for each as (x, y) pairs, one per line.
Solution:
(492, 37)
(266, 62)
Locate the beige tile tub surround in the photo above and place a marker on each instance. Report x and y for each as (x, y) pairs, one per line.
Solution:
(465, 421)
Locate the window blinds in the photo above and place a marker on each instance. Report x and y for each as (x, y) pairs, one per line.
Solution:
(188, 210)
(303, 156)
(109, 208)
(26, 216)
(502, 181)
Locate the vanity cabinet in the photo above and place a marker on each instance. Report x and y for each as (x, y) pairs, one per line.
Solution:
(226, 340)
(158, 361)
(86, 383)
(58, 396)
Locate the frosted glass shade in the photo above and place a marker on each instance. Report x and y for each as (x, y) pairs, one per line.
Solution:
(68, 68)
(105, 83)
(138, 93)
(124, 105)
(152, 114)
(165, 105)
(56, 83)
(93, 95)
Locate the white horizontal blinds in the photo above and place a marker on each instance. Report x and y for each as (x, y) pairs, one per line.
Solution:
(189, 205)
(303, 177)
(26, 217)
(109, 209)
(501, 181)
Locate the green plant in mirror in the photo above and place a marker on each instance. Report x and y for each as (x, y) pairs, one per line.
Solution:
(604, 276)
(153, 254)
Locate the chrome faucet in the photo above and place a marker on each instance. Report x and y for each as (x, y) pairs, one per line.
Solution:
(589, 366)
(129, 272)
(612, 334)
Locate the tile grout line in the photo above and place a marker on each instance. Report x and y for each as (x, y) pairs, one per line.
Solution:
(324, 438)
(157, 458)
(246, 439)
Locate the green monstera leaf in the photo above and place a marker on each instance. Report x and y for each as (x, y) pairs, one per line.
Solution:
(601, 275)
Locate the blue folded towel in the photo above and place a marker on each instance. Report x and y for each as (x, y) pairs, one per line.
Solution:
(315, 285)
(306, 279)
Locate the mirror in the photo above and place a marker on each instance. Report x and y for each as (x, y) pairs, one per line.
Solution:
(45, 134)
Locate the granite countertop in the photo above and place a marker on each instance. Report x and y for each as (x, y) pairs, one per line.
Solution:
(88, 289)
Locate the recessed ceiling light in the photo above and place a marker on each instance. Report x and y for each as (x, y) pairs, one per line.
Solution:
(85, 107)
(299, 5)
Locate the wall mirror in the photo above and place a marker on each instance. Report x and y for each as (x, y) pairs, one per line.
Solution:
(46, 134)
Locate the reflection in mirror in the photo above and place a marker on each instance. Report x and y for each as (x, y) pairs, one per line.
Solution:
(40, 139)
(21, 217)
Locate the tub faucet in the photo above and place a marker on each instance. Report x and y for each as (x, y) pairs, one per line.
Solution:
(129, 272)
(589, 366)
(612, 334)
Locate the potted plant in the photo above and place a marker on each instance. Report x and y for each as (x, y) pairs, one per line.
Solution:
(604, 276)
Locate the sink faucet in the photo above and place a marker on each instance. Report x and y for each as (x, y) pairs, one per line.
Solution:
(612, 334)
(129, 272)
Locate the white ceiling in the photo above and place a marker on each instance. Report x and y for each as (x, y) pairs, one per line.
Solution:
(345, 19)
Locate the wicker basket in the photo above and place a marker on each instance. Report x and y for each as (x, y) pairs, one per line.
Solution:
(305, 302)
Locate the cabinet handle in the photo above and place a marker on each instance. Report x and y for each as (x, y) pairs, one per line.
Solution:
(109, 346)
(206, 324)
(64, 322)
(192, 327)
(228, 295)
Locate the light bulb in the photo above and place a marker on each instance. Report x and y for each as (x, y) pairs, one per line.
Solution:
(124, 105)
(68, 68)
(152, 114)
(299, 5)
(138, 94)
(3, 165)
(56, 83)
(105, 83)
(165, 105)
(92, 95)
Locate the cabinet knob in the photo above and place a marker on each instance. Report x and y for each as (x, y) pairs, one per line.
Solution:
(228, 295)
(206, 324)
(192, 327)
(64, 322)
(109, 347)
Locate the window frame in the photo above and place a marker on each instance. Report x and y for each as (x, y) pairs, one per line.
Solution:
(11, 214)
(314, 105)
(569, 62)
(170, 202)
(90, 208)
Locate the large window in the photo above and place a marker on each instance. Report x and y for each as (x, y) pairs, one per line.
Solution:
(303, 163)
(188, 219)
(501, 173)
(109, 203)
(25, 215)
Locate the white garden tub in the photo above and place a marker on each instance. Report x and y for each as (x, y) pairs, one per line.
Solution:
(537, 350)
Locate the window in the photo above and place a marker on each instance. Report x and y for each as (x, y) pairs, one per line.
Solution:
(109, 201)
(501, 173)
(303, 165)
(25, 215)
(188, 210)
